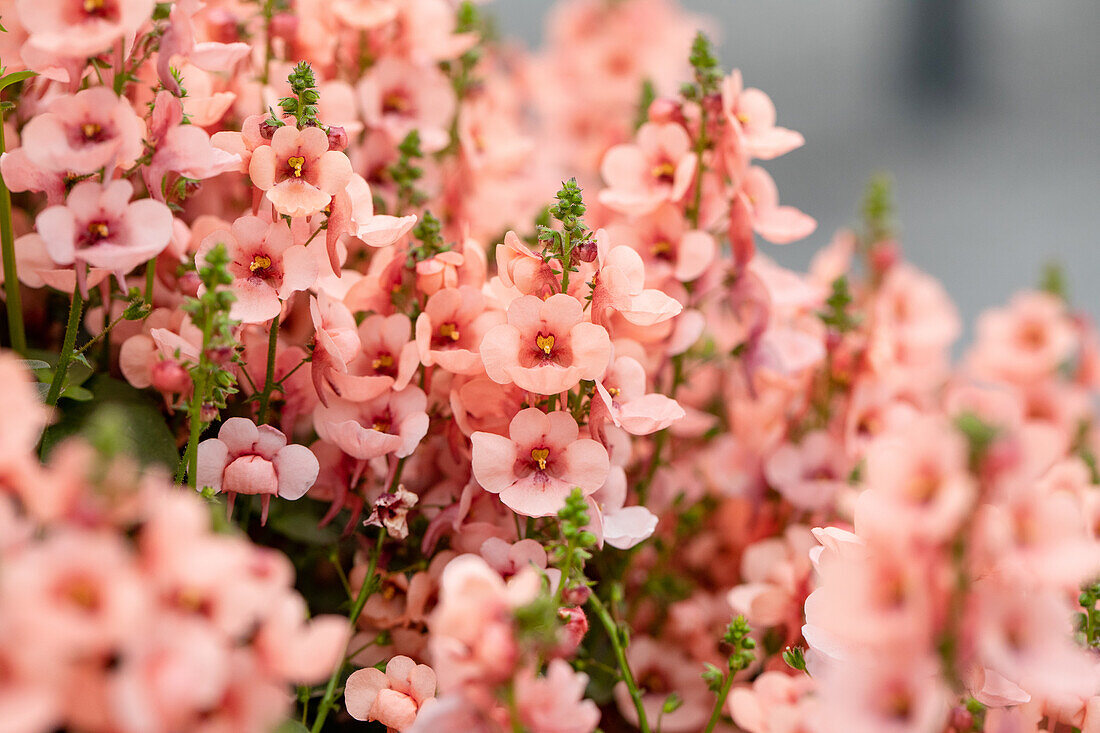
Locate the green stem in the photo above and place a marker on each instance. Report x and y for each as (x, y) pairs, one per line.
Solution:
(615, 635)
(76, 307)
(190, 460)
(269, 380)
(720, 703)
(365, 592)
(566, 257)
(701, 143)
(150, 279)
(14, 304)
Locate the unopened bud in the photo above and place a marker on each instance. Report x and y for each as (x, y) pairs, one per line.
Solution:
(337, 138)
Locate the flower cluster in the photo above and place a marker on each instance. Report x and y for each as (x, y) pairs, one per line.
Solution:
(484, 409)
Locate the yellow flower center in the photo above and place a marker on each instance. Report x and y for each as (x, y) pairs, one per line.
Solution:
(663, 170)
(742, 118)
(296, 163)
(381, 426)
(395, 103)
(546, 343)
(661, 248)
(539, 456)
(383, 361)
(613, 391)
(93, 6)
(450, 330)
(99, 230)
(259, 262)
(90, 129)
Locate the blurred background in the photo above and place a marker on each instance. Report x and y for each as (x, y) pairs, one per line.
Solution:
(986, 113)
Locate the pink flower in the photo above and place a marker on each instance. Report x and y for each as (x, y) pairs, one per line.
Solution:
(659, 166)
(776, 574)
(619, 287)
(775, 703)
(82, 133)
(399, 97)
(266, 265)
(540, 462)
(760, 200)
(620, 526)
(298, 171)
(184, 149)
(246, 459)
(1025, 341)
(751, 113)
(451, 327)
(394, 697)
(668, 247)
(472, 639)
(555, 702)
(101, 227)
(162, 355)
(545, 347)
(81, 29)
(808, 474)
(621, 399)
(393, 422)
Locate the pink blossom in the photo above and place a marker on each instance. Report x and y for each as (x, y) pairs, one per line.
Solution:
(451, 328)
(539, 463)
(82, 133)
(472, 640)
(394, 697)
(775, 703)
(266, 265)
(555, 702)
(808, 474)
(298, 172)
(398, 97)
(620, 526)
(246, 459)
(659, 166)
(621, 399)
(1024, 341)
(751, 112)
(162, 355)
(99, 226)
(619, 287)
(668, 247)
(81, 29)
(775, 223)
(545, 347)
(393, 422)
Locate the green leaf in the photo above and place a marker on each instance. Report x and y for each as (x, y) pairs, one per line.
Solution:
(15, 78)
(76, 392)
(299, 523)
(291, 726)
(116, 414)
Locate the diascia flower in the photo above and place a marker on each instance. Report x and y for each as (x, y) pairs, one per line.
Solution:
(394, 697)
(81, 133)
(246, 459)
(659, 166)
(545, 347)
(99, 226)
(539, 463)
(266, 265)
(298, 171)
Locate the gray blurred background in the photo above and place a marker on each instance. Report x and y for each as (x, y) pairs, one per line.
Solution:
(985, 112)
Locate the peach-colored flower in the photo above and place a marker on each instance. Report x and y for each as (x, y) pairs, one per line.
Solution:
(545, 347)
(399, 97)
(99, 226)
(266, 265)
(760, 199)
(298, 172)
(666, 244)
(619, 287)
(451, 327)
(659, 166)
(539, 463)
(555, 702)
(394, 697)
(1024, 341)
(81, 29)
(621, 398)
(775, 703)
(82, 133)
(393, 422)
(246, 459)
(161, 356)
(751, 113)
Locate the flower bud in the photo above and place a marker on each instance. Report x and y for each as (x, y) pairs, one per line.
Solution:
(337, 138)
(268, 128)
(585, 251)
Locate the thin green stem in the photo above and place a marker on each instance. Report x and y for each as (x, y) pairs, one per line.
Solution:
(615, 635)
(566, 257)
(365, 592)
(701, 143)
(76, 307)
(150, 280)
(14, 304)
(269, 380)
(720, 703)
(190, 460)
